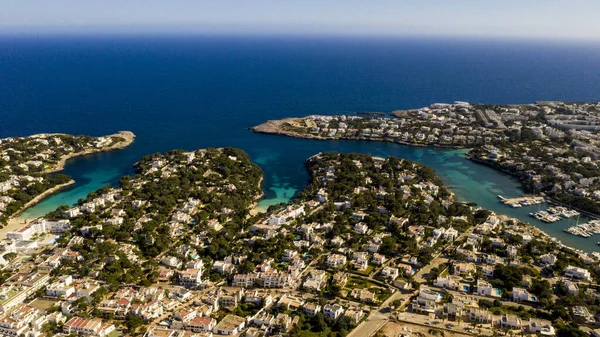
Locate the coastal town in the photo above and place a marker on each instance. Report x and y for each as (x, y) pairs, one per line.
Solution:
(370, 246)
(26, 164)
(551, 147)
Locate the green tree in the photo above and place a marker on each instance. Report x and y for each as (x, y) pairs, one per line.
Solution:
(133, 323)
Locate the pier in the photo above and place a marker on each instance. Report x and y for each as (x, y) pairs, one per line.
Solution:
(525, 200)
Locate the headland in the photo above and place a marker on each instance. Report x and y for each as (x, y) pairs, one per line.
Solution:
(550, 146)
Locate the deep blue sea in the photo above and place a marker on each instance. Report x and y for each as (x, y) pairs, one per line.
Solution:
(195, 91)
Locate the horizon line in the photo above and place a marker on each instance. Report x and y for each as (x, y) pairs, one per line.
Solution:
(425, 37)
(140, 31)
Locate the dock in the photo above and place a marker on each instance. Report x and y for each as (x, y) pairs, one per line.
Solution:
(525, 200)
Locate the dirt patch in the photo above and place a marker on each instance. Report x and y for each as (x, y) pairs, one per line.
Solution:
(395, 329)
(43, 304)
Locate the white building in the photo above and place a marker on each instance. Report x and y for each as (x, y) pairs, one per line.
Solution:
(361, 228)
(520, 295)
(332, 311)
(27, 232)
(548, 259)
(335, 260)
(510, 321)
(230, 325)
(18, 322)
(485, 289)
(62, 288)
(284, 217)
(541, 327)
(172, 261)
(72, 212)
(191, 277)
(578, 273)
(389, 272)
(88, 327)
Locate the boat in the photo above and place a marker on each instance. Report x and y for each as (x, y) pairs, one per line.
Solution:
(585, 230)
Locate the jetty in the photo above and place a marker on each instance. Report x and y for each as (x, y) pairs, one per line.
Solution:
(525, 200)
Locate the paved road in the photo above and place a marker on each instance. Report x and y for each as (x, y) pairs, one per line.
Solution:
(368, 328)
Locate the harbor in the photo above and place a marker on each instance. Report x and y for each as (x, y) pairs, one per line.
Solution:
(550, 215)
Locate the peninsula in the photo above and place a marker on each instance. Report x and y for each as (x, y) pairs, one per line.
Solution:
(551, 147)
(26, 164)
(370, 243)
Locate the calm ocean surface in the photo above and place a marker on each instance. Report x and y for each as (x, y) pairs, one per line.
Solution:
(197, 92)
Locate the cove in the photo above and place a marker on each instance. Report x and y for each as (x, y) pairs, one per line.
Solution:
(282, 160)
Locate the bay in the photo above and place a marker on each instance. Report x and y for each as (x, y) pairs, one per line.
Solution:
(200, 91)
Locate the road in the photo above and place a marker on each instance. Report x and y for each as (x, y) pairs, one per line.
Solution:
(368, 328)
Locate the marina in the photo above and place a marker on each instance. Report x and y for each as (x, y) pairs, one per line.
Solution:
(549, 215)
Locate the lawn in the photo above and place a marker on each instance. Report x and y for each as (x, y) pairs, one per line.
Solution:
(356, 282)
(365, 272)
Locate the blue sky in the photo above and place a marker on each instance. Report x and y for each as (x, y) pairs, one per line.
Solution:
(551, 19)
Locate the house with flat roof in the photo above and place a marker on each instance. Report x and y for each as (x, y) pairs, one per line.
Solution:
(333, 311)
(230, 325)
(578, 273)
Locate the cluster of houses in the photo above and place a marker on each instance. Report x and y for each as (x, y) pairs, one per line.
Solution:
(26, 320)
(197, 318)
(572, 116)
(466, 308)
(572, 165)
(261, 286)
(569, 169)
(469, 276)
(441, 124)
(17, 288)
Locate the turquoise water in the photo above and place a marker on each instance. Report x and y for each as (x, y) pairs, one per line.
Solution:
(285, 175)
(197, 92)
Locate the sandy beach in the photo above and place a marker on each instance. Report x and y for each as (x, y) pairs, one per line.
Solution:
(15, 222)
